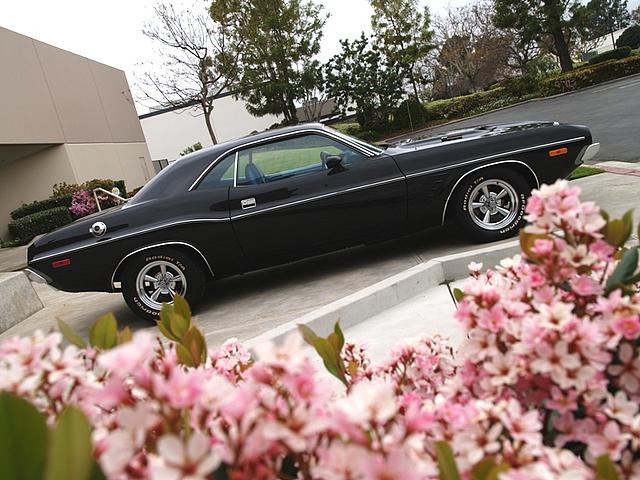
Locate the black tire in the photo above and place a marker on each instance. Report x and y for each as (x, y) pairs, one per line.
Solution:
(179, 265)
(514, 200)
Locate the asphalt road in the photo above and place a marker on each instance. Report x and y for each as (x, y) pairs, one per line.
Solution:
(248, 305)
(612, 111)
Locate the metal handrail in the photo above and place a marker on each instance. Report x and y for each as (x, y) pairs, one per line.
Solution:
(111, 194)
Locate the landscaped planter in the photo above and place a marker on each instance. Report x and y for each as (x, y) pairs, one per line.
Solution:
(546, 385)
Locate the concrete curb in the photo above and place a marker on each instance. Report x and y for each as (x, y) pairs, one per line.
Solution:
(18, 299)
(506, 107)
(369, 301)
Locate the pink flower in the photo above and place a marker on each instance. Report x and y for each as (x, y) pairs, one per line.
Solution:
(493, 319)
(543, 247)
(628, 326)
(129, 357)
(610, 441)
(586, 286)
(561, 401)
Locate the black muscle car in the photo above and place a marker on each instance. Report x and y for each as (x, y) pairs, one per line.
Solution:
(285, 194)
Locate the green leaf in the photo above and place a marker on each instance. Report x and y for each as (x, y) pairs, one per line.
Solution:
(70, 334)
(627, 219)
(308, 335)
(70, 448)
(606, 469)
(482, 469)
(164, 324)
(446, 462)
(194, 342)
(458, 294)
(23, 439)
(125, 335)
(184, 356)
(624, 272)
(178, 325)
(181, 307)
(104, 332)
(329, 350)
(338, 331)
(614, 233)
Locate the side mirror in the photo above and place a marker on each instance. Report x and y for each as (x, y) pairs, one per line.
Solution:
(333, 161)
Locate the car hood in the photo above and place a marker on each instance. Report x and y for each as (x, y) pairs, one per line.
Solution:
(431, 140)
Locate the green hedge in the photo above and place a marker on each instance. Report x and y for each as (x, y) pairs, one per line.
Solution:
(463, 106)
(40, 206)
(593, 75)
(615, 54)
(29, 226)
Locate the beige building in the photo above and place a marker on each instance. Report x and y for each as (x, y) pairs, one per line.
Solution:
(63, 118)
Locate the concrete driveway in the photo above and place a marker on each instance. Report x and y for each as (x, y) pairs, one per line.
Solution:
(611, 111)
(247, 305)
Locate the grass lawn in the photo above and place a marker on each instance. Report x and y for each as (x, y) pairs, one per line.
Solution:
(584, 171)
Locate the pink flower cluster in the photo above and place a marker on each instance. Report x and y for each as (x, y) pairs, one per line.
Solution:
(547, 381)
(82, 204)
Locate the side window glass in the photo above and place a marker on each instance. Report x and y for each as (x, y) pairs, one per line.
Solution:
(287, 158)
(221, 175)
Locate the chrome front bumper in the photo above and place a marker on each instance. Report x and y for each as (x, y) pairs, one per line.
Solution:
(588, 153)
(35, 276)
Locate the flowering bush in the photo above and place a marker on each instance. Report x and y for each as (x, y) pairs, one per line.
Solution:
(545, 386)
(82, 204)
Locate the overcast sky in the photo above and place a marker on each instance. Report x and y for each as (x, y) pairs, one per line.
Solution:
(110, 31)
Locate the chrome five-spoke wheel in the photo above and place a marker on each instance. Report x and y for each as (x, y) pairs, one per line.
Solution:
(158, 282)
(493, 204)
(155, 276)
(490, 204)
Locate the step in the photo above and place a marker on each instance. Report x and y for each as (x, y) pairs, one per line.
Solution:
(18, 299)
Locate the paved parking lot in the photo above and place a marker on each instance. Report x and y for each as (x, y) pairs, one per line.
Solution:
(610, 111)
(247, 305)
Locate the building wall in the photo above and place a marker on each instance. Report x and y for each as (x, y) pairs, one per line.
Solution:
(169, 133)
(31, 178)
(122, 161)
(56, 96)
(49, 96)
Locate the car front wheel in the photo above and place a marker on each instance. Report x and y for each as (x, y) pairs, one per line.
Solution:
(490, 204)
(155, 276)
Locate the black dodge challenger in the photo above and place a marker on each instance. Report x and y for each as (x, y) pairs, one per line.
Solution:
(286, 194)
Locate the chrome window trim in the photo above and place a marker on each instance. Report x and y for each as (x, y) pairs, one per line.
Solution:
(491, 157)
(235, 169)
(317, 197)
(237, 148)
(446, 203)
(155, 245)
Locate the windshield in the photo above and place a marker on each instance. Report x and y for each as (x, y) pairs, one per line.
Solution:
(367, 146)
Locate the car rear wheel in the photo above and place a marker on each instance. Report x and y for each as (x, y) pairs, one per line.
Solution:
(490, 204)
(155, 276)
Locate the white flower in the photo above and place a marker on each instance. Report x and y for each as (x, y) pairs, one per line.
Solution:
(369, 401)
(184, 462)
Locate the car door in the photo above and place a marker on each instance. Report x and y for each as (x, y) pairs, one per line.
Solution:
(287, 203)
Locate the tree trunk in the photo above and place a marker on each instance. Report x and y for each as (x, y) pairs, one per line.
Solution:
(562, 49)
(554, 21)
(207, 121)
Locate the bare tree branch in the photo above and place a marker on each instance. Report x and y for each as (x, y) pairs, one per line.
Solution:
(197, 64)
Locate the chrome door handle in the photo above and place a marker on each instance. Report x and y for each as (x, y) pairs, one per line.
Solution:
(248, 203)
